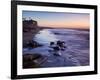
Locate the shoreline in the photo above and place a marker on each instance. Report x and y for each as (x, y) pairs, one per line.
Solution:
(62, 28)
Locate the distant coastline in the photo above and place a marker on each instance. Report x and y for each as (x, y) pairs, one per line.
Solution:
(41, 27)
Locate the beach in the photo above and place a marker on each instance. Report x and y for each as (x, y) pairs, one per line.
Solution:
(76, 52)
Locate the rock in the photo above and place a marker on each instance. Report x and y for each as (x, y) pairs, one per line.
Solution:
(30, 29)
(32, 44)
(33, 60)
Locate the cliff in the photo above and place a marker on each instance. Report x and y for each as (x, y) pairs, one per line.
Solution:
(30, 28)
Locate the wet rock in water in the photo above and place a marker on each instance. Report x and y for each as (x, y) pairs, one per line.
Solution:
(32, 60)
(32, 44)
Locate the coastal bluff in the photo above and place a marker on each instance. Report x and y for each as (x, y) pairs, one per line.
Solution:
(30, 28)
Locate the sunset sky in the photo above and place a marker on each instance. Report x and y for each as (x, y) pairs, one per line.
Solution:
(59, 19)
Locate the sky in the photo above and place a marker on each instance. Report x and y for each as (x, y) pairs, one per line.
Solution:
(59, 19)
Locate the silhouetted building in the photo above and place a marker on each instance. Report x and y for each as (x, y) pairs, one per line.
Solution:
(28, 25)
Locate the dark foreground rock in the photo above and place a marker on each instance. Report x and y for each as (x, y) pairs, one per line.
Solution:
(37, 60)
(33, 60)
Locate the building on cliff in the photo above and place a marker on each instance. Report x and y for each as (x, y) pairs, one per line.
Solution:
(29, 25)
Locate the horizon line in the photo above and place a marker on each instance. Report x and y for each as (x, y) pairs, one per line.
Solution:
(63, 27)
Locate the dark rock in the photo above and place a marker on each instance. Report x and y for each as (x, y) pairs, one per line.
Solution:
(30, 29)
(32, 44)
(33, 60)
